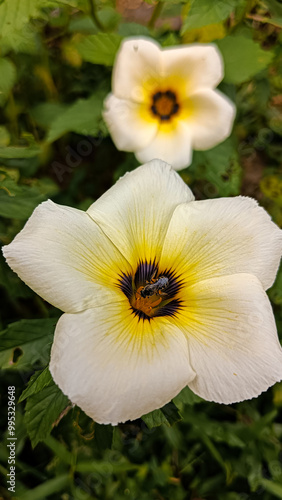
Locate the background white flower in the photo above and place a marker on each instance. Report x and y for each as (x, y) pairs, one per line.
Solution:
(119, 352)
(163, 103)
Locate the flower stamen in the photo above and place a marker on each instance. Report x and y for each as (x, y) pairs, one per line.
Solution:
(164, 105)
(151, 293)
(145, 304)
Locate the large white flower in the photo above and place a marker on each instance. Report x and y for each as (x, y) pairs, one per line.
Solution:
(163, 103)
(159, 292)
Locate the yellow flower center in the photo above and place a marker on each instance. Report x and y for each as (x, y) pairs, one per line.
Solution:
(164, 105)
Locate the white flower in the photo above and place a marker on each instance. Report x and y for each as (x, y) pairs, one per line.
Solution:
(129, 342)
(163, 103)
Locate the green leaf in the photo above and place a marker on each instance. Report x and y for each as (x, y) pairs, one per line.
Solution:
(4, 136)
(42, 411)
(133, 29)
(206, 12)
(83, 117)
(272, 487)
(102, 466)
(46, 113)
(167, 415)
(220, 167)
(60, 450)
(26, 331)
(36, 383)
(100, 48)
(26, 343)
(14, 30)
(243, 58)
(16, 201)
(8, 77)
(14, 14)
(47, 488)
(186, 396)
(78, 4)
(20, 152)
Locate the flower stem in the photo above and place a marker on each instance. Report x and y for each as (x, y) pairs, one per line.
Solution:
(155, 15)
(94, 15)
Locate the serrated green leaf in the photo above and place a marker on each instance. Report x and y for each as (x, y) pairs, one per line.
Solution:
(243, 58)
(42, 411)
(167, 415)
(100, 48)
(186, 396)
(26, 343)
(15, 13)
(83, 117)
(26, 331)
(16, 201)
(205, 12)
(36, 383)
(14, 17)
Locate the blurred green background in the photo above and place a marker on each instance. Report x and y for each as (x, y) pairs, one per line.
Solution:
(56, 60)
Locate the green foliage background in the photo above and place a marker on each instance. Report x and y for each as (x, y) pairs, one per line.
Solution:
(55, 70)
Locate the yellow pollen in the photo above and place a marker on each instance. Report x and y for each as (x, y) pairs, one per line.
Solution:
(147, 304)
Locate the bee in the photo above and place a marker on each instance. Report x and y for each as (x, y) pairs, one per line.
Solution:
(155, 287)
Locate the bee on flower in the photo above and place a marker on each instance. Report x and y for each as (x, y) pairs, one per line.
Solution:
(164, 103)
(159, 292)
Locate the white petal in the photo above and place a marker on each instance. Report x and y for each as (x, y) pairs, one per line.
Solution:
(224, 236)
(212, 118)
(200, 65)
(136, 211)
(232, 339)
(65, 257)
(137, 68)
(115, 367)
(172, 144)
(130, 124)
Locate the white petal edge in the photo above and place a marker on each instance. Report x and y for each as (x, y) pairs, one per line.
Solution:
(173, 146)
(65, 257)
(200, 65)
(137, 65)
(115, 367)
(136, 211)
(128, 129)
(224, 236)
(233, 343)
(212, 118)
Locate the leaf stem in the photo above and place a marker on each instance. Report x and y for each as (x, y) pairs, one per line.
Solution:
(94, 15)
(155, 15)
